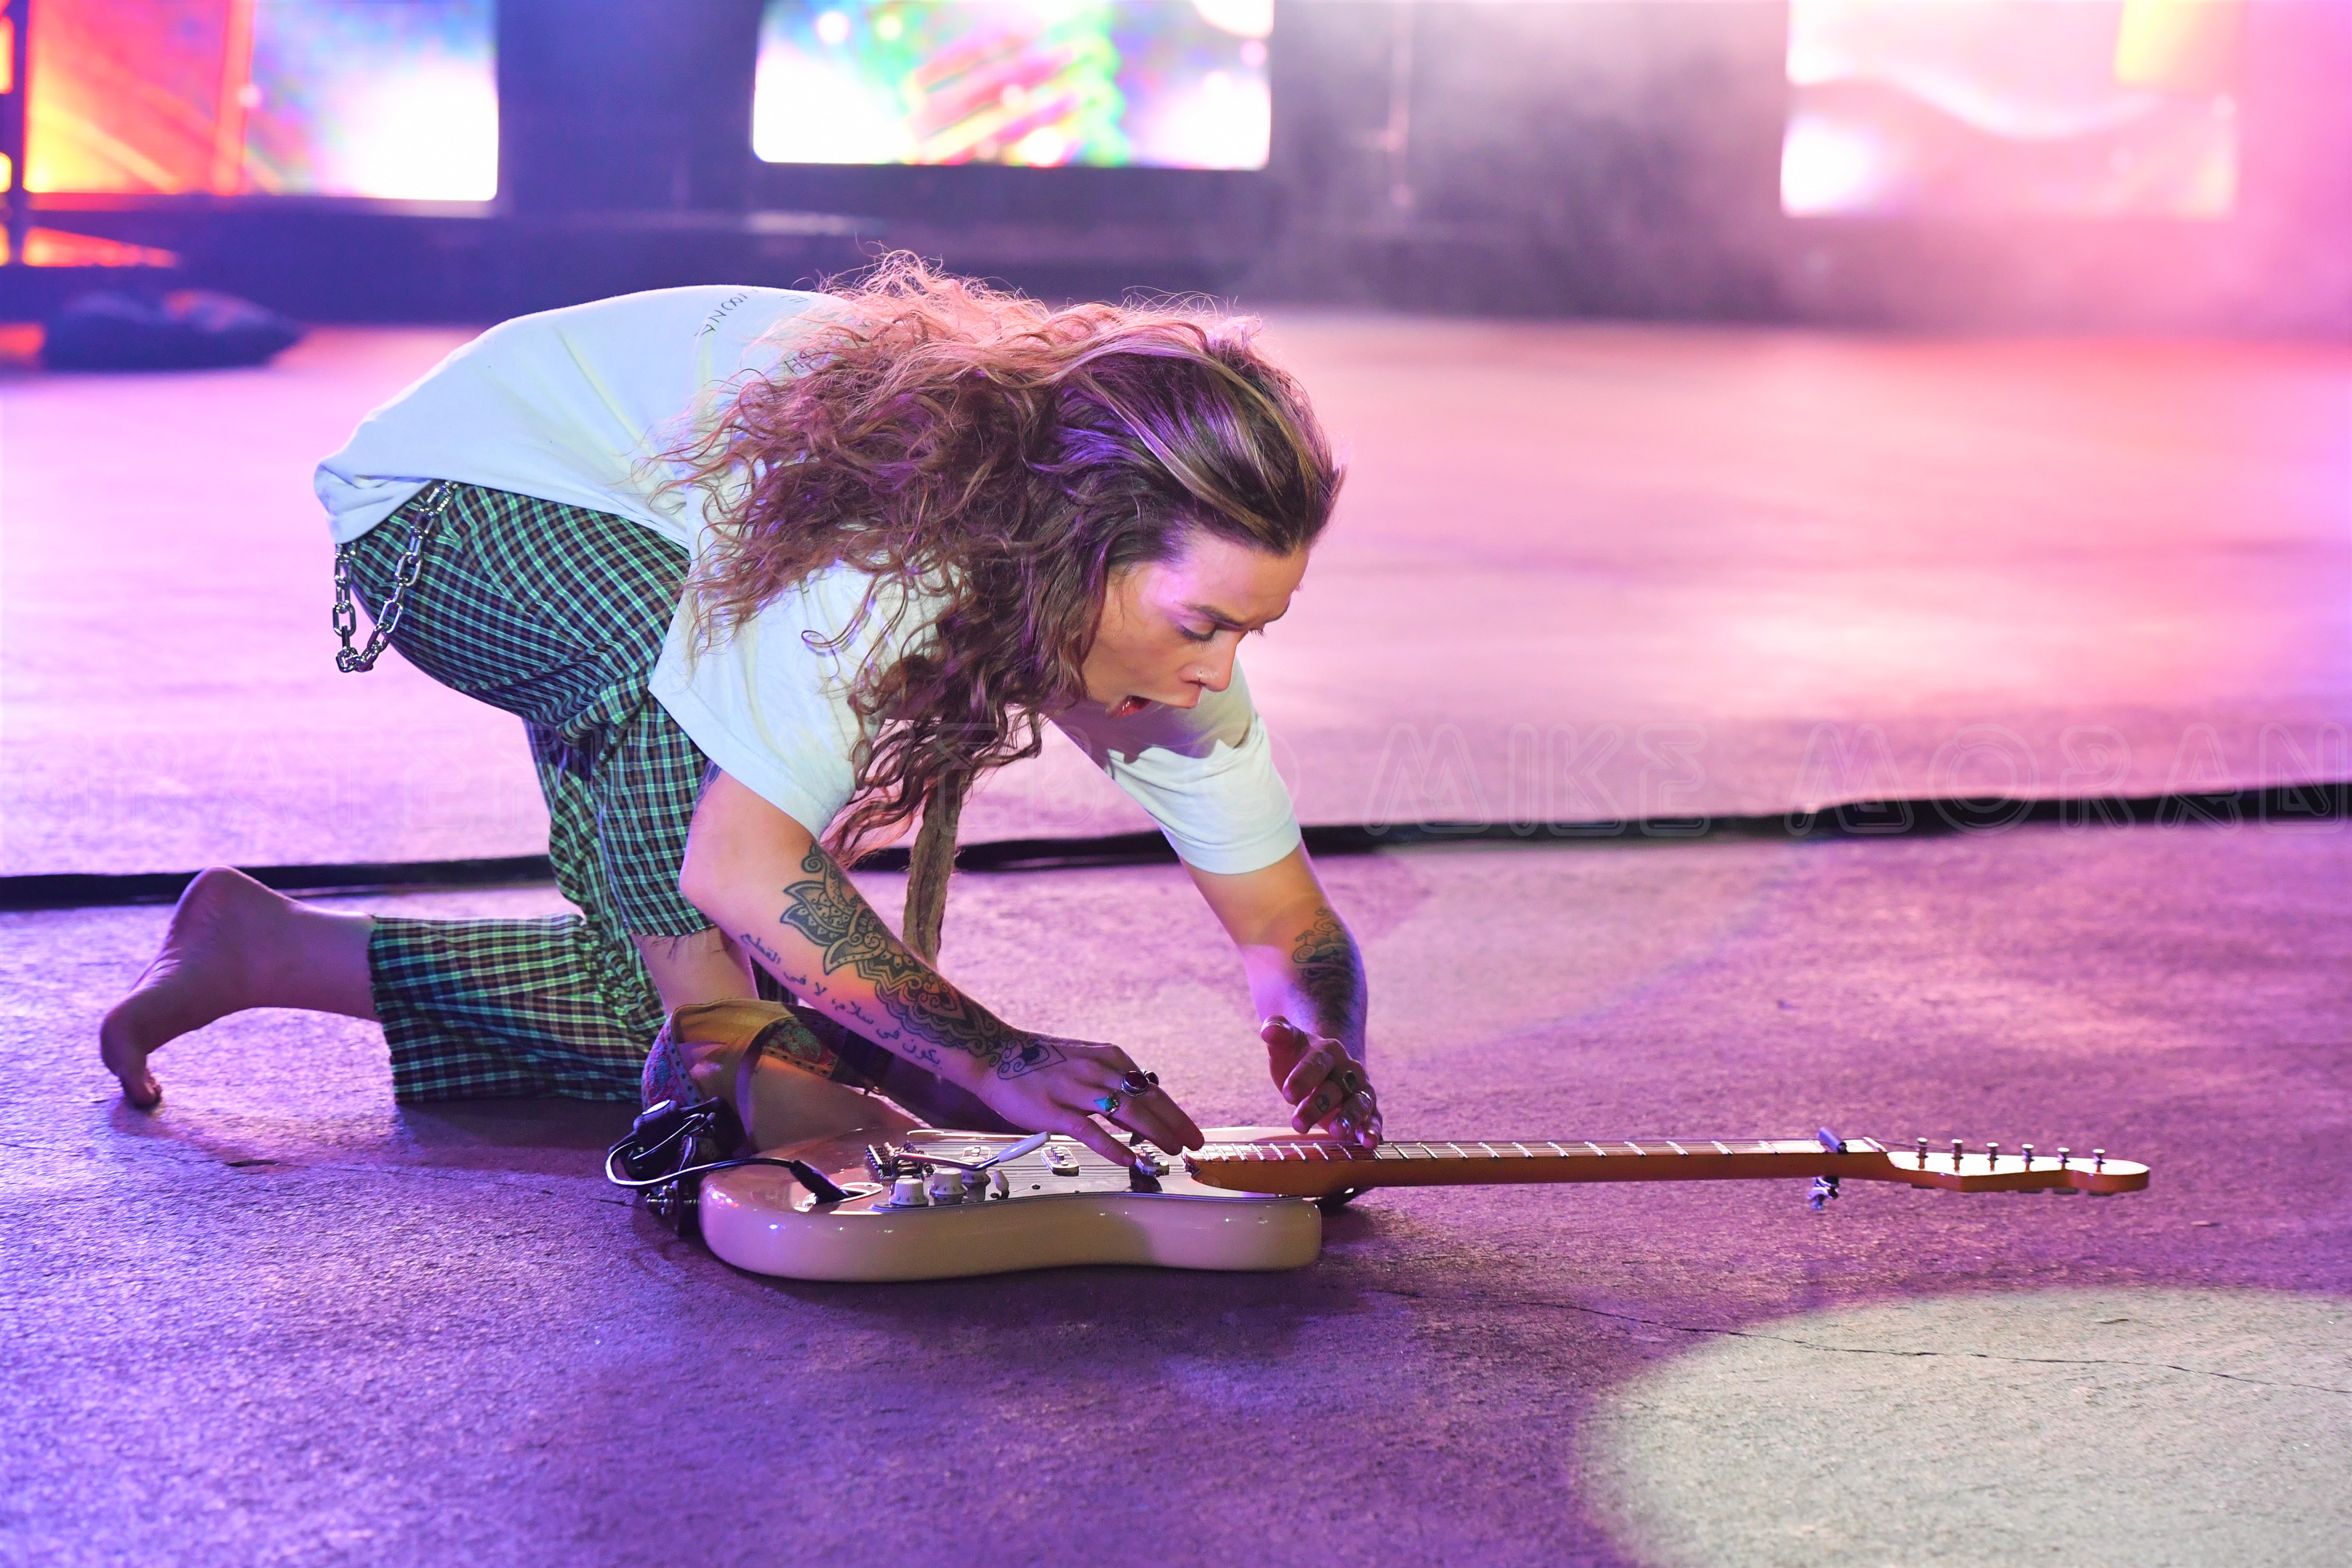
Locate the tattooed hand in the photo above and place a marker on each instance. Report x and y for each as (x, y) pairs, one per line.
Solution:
(1035, 1081)
(1315, 1074)
(1051, 1085)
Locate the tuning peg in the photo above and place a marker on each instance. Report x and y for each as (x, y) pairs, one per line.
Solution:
(1923, 1152)
(2064, 1154)
(1992, 1156)
(1958, 1147)
(2029, 1154)
(2099, 1159)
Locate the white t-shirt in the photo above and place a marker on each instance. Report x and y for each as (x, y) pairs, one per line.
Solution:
(571, 405)
(575, 405)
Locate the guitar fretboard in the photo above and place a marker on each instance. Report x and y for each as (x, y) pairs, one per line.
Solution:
(1305, 1151)
(1310, 1167)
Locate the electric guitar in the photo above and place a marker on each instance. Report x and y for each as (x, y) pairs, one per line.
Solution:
(944, 1205)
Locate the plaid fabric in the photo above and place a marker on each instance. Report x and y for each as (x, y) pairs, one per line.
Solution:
(555, 613)
(503, 1008)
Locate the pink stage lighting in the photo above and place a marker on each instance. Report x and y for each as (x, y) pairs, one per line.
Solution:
(323, 98)
(1998, 108)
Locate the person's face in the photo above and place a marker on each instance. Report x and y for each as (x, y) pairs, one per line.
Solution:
(1170, 628)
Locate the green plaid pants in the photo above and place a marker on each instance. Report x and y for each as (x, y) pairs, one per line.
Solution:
(554, 614)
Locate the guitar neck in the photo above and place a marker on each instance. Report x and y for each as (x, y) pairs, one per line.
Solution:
(1311, 1168)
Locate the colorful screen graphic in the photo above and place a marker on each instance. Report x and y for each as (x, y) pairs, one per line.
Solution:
(1178, 84)
(332, 98)
(1992, 107)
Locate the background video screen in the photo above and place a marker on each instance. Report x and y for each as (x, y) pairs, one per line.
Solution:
(330, 98)
(1162, 83)
(1993, 108)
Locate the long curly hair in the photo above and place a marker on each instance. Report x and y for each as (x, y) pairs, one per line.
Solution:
(1004, 460)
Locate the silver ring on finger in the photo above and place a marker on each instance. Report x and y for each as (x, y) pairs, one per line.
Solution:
(1108, 1105)
(1139, 1083)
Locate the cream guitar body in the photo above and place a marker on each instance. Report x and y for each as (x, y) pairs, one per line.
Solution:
(1060, 1205)
(943, 1205)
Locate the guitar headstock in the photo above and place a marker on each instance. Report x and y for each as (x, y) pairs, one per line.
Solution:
(1956, 1169)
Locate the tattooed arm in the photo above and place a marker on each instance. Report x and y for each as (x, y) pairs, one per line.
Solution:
(765, 881)
(1306, 979)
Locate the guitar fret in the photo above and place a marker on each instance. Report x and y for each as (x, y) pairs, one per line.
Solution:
(1637, 1149)
(1719, 1147)
(1676, 1147)
(1596, 1148)
(1523, 1149)
(1489, 1149)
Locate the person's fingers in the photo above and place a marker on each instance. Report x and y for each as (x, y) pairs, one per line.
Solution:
(1312, 1071)
(1148, 1121)
(1284, 1043)
(1108, 1072)
(1319, 1106)
(1080, 1097)
(1280, 1031)
(1159, 1118)
(1188, 1131)
(1093, 1135)
(1359, 1119)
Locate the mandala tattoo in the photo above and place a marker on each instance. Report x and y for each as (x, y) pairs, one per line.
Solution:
(828, 912)
(1331, 973)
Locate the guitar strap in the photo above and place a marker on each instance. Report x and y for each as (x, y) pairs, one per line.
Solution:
(767, 1059)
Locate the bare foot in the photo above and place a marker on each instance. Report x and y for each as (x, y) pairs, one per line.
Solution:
(202, 971)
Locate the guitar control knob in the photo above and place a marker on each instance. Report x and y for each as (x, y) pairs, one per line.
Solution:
(998, 1186)
(906, 1192)
(975, 1184)
(944, 1187)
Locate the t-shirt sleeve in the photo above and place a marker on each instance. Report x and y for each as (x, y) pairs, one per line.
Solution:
(1205, 775)
(770, 703)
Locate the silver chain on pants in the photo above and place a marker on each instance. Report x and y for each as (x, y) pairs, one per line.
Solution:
(435, 498)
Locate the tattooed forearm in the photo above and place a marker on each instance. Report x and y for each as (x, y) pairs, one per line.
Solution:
(849, 935)
(1331, 975)
(768, 953)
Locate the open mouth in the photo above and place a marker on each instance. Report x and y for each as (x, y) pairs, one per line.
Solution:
(1128, 706)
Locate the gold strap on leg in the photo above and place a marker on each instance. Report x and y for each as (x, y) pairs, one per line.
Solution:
(786, 1085)
(717, 1039)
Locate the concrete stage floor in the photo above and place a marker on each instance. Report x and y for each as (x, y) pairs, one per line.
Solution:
(284, 1320)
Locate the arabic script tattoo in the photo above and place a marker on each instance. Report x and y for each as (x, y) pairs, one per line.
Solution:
(829, 911)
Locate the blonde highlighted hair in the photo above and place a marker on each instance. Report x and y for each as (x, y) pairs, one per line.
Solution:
(1006, 460)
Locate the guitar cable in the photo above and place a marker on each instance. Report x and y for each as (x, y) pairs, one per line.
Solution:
(666, 1132)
